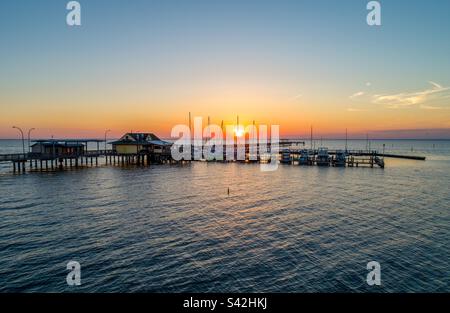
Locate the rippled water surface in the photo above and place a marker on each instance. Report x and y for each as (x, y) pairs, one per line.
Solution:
(174, 228)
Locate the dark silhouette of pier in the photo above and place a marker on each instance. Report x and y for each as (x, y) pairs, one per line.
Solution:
(66, 159)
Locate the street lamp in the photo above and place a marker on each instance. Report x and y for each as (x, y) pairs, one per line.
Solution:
(23, 140)
(106, 132)
(29, 132)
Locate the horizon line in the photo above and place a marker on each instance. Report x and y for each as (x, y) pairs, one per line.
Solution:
(289, 137)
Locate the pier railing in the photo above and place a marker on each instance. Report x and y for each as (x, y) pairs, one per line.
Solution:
(14, 157)
(18, 157)
(22, 157)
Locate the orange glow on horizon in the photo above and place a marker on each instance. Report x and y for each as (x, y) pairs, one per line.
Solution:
(271, 107)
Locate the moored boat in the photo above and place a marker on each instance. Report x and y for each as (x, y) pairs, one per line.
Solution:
(304, 157)
(323, 157)
(285, 156)
(339, 159)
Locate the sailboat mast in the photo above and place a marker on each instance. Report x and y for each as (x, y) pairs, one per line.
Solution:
(190, 128)
(346, 138)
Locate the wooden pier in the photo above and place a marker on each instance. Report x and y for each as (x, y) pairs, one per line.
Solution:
(354, 158)
(43, 162)
(49, 155)
(46, 162)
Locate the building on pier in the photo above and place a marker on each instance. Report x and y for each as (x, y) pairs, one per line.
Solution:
(135, 143)
(52, 148)
(57, 148)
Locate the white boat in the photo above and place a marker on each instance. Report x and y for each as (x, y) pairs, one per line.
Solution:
(323, 157)
(339, 158)
(304, 157)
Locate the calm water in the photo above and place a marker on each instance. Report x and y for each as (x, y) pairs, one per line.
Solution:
(174, 228)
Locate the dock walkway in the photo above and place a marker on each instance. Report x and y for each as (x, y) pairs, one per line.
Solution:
(41, 161)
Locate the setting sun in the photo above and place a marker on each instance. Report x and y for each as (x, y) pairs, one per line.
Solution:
(239, 131)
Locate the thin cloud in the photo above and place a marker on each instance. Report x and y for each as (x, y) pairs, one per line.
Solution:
(354, 110)
(296, 97)
(408, 99)
(430, 107)
(436, 85)
(357, 94)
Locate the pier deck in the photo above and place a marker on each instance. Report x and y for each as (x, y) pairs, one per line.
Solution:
(40, 161)
(45, 161)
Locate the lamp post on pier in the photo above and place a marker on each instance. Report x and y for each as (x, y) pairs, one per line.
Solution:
(106, 132)
(23, 140)
(29, 132)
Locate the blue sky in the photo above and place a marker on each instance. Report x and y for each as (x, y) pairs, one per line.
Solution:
(163, 54)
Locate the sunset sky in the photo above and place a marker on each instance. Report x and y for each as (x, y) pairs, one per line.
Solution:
(143, 65)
